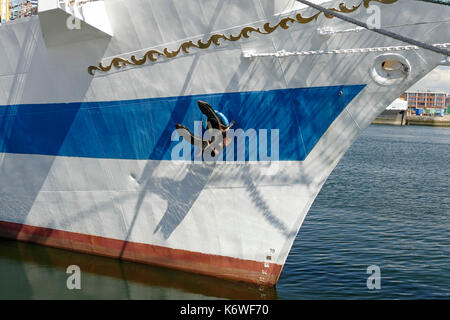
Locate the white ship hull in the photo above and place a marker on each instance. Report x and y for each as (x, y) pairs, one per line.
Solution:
(85, 160)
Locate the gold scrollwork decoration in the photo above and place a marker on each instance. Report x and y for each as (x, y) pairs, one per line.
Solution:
(216, 39)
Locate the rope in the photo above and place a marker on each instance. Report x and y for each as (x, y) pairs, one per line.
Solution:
(380, 31)
(444, 2)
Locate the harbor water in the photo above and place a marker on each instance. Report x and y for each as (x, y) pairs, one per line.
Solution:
(386, 204)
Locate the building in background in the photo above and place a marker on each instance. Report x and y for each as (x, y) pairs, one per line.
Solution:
(17, 9)
(426, 102)
(395, 114)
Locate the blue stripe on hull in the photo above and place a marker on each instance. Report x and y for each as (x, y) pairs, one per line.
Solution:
(141, 129)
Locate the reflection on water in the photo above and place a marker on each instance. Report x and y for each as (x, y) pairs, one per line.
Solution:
(29, 271)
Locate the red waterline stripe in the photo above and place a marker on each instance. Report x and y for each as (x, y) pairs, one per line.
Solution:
(196, 262)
